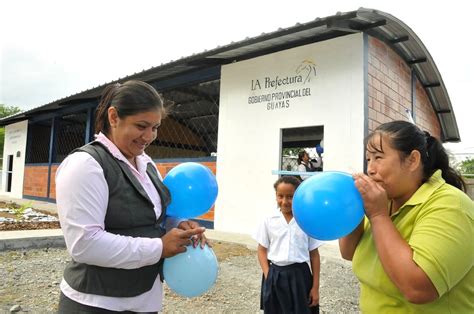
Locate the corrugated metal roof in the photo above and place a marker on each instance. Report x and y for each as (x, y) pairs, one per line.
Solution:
(375, 23)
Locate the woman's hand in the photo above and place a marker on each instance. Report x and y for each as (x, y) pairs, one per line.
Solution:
(189, 224)
(374, 196)
(176, 240)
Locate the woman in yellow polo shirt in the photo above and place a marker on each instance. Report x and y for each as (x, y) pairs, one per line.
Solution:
(414, 252)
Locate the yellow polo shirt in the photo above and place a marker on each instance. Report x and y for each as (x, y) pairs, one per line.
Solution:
(438, 224)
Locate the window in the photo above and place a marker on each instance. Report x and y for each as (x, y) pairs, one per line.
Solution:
(294, 140)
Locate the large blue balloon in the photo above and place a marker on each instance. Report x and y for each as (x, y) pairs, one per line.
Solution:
(328, 206)
(193, 189)
(191, 273)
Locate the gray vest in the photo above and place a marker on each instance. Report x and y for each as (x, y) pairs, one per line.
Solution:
(129, 213)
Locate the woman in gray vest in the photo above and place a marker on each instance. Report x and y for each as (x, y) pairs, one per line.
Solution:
(112, 208)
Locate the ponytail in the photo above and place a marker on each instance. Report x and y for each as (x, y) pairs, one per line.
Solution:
(437, 158)
(101, 115)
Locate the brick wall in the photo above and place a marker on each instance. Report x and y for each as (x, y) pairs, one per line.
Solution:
(36, 181)
(52, 191)
(389, 90)
(424, 114)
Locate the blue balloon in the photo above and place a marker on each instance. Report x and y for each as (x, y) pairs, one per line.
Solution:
(193, 189)
(191, 273)
(328, 206)
(319, 149)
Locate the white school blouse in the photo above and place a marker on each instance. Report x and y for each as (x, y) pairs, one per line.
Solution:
(285, 242)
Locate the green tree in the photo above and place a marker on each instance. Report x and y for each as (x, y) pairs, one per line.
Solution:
(467, 166)
(5, 111)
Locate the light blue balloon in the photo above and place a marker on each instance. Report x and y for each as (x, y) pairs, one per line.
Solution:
(328, 206)
(193, 189)
(191, 273)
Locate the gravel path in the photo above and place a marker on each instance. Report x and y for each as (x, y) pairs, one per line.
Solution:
(30, 283)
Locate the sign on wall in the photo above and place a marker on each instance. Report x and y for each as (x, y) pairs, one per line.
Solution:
(277, 92)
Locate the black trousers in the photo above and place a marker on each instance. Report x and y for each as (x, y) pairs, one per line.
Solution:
(68, 306)
(286, 290)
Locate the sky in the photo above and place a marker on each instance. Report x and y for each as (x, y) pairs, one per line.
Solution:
(51, 49)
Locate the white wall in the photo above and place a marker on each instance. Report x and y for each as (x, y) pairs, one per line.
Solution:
(249, 134)
(15, 141)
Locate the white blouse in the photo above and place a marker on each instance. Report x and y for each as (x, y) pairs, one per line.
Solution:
(285, 242)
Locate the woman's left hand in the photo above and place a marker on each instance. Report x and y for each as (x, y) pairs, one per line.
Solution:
(189, 224)
(374, 196)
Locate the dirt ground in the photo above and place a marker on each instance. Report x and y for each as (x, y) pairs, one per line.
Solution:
(30, 283)
(225, 251)
(31, 280)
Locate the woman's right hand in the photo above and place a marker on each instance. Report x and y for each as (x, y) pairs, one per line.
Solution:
(373, 195)
(176, 240)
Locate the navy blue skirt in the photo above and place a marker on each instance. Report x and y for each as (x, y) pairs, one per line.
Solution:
(286, 289)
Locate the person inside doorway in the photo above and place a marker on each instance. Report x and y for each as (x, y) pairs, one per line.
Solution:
(305, 165)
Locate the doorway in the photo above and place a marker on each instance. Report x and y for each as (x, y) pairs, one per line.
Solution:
(9, 173)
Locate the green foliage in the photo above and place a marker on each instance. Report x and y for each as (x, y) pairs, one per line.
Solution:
(5, 111)
(19, 211)
(467, 166)
(2, 140)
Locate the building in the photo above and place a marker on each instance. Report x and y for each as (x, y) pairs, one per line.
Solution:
(237, 108)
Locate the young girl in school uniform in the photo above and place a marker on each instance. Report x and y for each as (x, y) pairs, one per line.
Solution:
(284, 250)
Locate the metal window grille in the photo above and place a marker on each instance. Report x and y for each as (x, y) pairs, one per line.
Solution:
(190, 130)
(70, 134)
(289, 163)
(37, 148)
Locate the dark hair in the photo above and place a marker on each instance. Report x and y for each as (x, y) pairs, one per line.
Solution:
(301, 155)
(406, 137)
(288, 180)
(129, 98)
